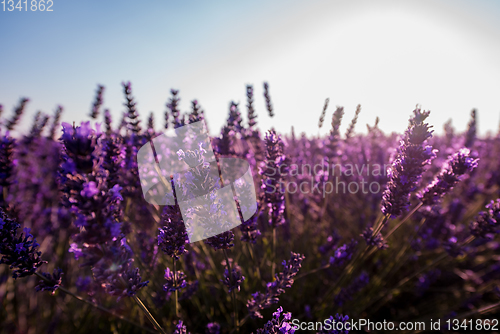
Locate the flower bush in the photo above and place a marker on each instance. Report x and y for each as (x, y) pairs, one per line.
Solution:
(417, 239)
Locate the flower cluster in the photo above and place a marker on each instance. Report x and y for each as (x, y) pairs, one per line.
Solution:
(407, 168)
(453, 170)
(279, 324)
(283, 280)
(20, 252)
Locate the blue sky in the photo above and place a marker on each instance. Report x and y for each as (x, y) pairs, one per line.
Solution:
(385, 55)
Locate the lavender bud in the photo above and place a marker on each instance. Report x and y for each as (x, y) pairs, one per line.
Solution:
(487, 223)
(407, 168)
(456, 166)
(52, 283)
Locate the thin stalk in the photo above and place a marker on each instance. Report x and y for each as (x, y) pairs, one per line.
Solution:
(419, 205)
(233, 296)
(176, 291)
(149, 315)
(97, 306)
(273, 263)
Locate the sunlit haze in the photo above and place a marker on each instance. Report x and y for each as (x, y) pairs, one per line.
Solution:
(387, 56)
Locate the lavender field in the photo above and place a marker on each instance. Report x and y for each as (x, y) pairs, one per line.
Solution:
(352, 225)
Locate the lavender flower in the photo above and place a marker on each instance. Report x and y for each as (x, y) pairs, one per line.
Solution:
(221, 241)
(342, 254)
(173, 107)
(175, 281)
(197, 114)
(278, 325)
(55, 122)
(267, 97)
(453, 170)
(180, 328)
(323, 113)
(172, 237)
(487, 224)
(212, 328)
(233, 281)
(132, 115)
(115, 273)
(470, 136)
(94, 112)
(407, 168)
(52, 282)
(251, 111)
(18, 111)
(350, 129)
(80, 144)
(334, 132)
(19, 252)
(108, 121)
(283, 280)
(7, 144)
(271, 181)
(374, 240)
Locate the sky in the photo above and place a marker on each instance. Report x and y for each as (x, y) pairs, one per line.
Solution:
(387, 56)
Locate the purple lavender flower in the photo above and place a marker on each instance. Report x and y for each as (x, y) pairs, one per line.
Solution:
(278, 325)
(407, 168)
(173, 107)
(19, 252)
(55, 122)
(175, 281)
(18, 111)
(350, 129)
(233, 281)
(251, 111)
(234, 120)
(132, 115)
(323, 113)
(374, 240)
(224, 240)
(107, 122)
(7, 144)
(172, 237)
(213, 328)
(334, 132)
(52, 283)
(115, 273)
(487, 224)
(80, 144)
(453, 170)
(283, 280)
(470, 135)
(271, 181)
(197, 114)
(94, 112)
(342, 254)
(267, 97)
(180, 328)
